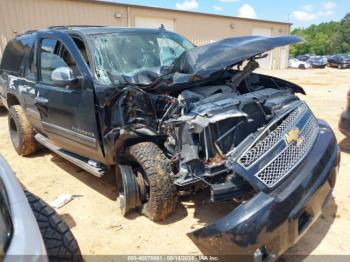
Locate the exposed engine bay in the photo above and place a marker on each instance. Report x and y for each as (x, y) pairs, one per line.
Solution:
(205, 127)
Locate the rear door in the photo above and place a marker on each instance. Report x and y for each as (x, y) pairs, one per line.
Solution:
(67, 112)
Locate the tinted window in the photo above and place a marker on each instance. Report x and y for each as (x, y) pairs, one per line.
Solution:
(15, 52)
(81, 46)
(30, 67)
(69, 60)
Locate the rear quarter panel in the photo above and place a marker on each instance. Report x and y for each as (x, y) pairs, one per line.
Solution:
(10, 85)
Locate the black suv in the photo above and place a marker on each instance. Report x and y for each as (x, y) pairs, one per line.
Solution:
(341, 61)
(165, 117)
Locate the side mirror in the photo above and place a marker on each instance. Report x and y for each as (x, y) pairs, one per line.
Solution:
(64, 76)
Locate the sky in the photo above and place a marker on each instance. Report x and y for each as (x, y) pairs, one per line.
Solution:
(301, 13)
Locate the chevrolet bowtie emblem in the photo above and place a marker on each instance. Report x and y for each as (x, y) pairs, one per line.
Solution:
(293, 135)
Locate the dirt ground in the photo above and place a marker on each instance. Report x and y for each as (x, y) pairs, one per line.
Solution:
(99, 227)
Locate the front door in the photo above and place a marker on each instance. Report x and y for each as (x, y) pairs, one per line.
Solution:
(67, 109)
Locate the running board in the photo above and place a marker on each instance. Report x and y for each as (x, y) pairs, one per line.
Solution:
(73, 158)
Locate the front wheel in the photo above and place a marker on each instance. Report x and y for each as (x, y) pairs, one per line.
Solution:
(157, 195)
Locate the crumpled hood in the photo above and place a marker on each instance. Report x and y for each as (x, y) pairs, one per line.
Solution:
(205, 60)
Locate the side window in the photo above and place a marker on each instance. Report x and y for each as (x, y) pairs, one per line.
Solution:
(49, 59)
(81, 46)
(31, 68)
(54, 55)
(69, 60)
(13, 56)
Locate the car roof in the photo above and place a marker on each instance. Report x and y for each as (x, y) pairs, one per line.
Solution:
(92, 29)
(103, 30)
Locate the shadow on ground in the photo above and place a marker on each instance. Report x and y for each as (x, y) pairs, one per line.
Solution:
(105, 186)
(3, 111)
(208, 212)
(345, 145)
(69, 220)
(205, 212)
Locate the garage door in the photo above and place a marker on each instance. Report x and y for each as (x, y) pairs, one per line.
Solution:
(154, 22)
(264, 62)
(284, 58)
(261, 31)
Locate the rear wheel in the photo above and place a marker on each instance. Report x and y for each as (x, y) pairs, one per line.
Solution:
(340, 66)
(157, 195)
(21, 132)
(301, 66)
(59, 241)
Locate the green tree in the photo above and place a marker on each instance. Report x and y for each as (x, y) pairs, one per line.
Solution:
(342, 36)
(323, 39)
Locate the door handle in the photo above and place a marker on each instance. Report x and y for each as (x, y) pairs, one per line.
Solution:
(41, 101)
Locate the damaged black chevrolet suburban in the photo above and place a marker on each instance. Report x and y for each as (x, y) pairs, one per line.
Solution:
(169, 118)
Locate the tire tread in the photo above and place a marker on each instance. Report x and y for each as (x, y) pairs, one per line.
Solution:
(27, 143)
(59, 241)
(163, 195)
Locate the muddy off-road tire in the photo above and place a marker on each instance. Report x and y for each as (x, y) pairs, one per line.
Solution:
(21, 132)
(59, 241)
(162, 195)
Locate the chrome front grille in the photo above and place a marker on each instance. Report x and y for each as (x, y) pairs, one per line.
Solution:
(291, 156)
(261, 147)
(276, 165)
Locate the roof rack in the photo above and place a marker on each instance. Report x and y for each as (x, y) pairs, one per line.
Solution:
(58, 27)
(27, 33)
(72, 26)
(30, 32)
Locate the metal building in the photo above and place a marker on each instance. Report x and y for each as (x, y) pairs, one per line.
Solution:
(18, 16)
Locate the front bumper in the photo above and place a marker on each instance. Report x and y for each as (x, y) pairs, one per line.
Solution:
(344, 124)
(276, 221)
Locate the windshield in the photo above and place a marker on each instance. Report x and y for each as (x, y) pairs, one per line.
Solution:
(130, 53)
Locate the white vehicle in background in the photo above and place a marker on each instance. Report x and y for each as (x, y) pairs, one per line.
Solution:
(295, 63)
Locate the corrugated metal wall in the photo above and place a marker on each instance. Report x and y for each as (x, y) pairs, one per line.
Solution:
(18, 16)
